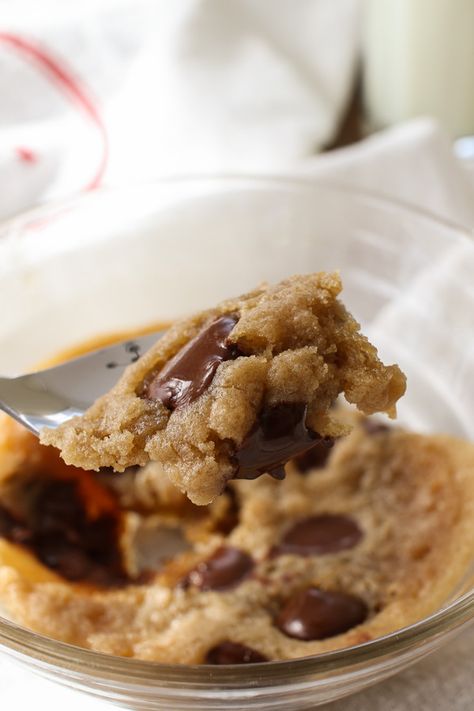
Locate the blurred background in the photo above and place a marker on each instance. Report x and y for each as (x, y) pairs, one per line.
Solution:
(107, 92)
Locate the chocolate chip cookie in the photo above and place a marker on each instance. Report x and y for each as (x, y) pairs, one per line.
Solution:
(236, 391)
(372, 535)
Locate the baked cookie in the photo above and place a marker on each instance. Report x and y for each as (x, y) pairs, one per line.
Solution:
(374, 534)
(236, 391)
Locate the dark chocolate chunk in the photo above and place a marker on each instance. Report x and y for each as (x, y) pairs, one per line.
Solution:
(12, 529)
(223, 570)
(57, 529)
(231, 517)
(316, 457)
(233, 653)
(68, 540)
(279, 434)
(186, 376)
(319, 535)
(68, 560)
(318, 614)
(373, 427)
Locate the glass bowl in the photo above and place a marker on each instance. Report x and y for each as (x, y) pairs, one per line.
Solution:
(116, 260)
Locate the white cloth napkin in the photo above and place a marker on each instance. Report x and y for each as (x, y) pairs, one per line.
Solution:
(412, 162)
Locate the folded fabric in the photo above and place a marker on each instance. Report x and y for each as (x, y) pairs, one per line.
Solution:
(413, 162)
(128, 90)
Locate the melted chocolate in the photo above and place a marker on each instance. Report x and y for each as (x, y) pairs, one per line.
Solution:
(233, 653)
(316, 457)
(231, 516)
(318, 614)
(319, 535)
(224, 570)
(279, 435)
(12, 529)
(57, 530)
(186, 376)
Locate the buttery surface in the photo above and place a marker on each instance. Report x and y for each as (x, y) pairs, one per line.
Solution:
(383, 533)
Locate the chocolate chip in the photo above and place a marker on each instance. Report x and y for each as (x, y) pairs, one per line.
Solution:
(231, 516)
(233, 653)
(12, 529)
(279, 435)
(317, 614)
(316, 457)
(224, 570)
(319, 535)
(186, 376)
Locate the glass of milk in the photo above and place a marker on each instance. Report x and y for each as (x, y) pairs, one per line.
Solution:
(419, 60)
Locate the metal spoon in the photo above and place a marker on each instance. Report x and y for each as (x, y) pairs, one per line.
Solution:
(50, 397)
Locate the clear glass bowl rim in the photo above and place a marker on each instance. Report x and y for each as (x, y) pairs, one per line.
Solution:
(22, 642)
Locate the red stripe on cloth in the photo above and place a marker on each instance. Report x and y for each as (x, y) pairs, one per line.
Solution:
(27, 155)
(70, 86)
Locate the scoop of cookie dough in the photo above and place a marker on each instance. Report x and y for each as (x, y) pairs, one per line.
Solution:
(236, 391)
